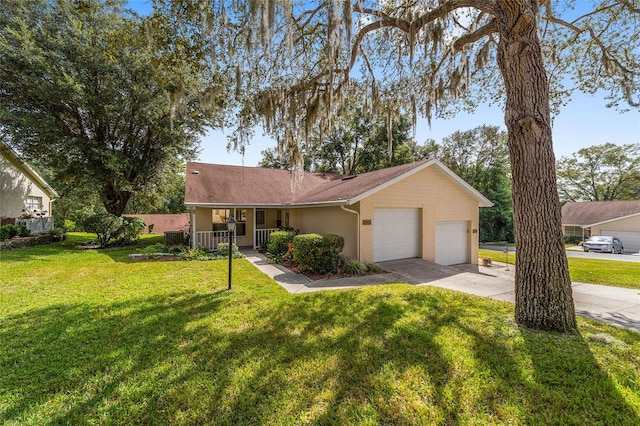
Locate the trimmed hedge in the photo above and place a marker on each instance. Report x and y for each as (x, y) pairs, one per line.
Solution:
(9, 231)
(572, 240)
(318, 254)
(278, 243)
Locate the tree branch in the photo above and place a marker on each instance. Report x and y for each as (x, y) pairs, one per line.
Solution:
(449, 6)
(476, 35)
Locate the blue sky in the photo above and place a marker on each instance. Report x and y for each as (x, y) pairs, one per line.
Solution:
(583, 122)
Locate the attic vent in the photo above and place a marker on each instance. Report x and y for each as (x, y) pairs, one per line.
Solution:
(195, 172)
(348, 177)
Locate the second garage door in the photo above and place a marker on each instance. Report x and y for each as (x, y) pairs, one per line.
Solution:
(396, 234)
(452, 243)
(630, 240)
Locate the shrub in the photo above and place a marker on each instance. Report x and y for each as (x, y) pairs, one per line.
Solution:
(278, 243)
(8, 231)
(59, 232)
(155, 248)
(112, 229)
(198, 253)
(223, 251)
(69, 225)
(373, 267)
(318, 254)
(275, 258)
(355, 267)
(202, 253)
(132, 227)
(106, 226)
(572, 240)
(23, 231)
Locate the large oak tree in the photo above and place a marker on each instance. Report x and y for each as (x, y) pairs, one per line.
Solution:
(85, 93)
(294, 61)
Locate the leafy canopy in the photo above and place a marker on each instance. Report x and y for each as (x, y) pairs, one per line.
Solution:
(480, 157)
(605, 172)
(85, 92)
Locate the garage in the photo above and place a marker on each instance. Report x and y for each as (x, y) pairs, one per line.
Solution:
(452, 243)
(630, 240)
(396, 234)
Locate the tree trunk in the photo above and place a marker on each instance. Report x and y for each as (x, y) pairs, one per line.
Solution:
(115, 200)
(543, 288)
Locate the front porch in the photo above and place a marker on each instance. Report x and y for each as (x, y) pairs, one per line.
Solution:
(211, 239)
(254, 225)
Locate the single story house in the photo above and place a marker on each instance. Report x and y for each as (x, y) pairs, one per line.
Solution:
(614, 218)
(420, 209)
(24, 192)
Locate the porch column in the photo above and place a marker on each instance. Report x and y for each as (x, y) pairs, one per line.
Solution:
(254, 228)
(193, 227)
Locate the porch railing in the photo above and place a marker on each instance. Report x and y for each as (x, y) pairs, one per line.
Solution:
(262, 236)
(211, 239)
(37, 225)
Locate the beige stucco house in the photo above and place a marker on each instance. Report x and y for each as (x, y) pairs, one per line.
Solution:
(420, 209)
(614, 218)
(22, 190)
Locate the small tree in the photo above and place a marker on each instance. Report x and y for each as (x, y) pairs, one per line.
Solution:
(111, 229)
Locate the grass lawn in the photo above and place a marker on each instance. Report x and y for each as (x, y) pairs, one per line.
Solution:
(591, 271)
(89, 337)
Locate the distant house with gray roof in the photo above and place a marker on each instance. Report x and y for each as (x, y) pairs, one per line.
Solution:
(614, 218)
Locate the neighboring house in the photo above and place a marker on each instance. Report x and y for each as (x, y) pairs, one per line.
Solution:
(23, 191)
(164, 222)
(420, 209)
(614, 218)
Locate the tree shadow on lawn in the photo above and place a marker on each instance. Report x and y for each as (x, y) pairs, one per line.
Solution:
(392, 355)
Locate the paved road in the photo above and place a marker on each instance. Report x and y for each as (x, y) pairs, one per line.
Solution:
(626, 257)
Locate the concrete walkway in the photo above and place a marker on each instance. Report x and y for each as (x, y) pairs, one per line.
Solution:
(612, 305)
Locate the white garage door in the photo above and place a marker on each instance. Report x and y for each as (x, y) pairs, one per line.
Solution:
(452, 243)
(630, 240)
(396, 234)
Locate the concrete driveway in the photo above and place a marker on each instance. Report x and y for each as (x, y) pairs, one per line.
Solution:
(612, 305)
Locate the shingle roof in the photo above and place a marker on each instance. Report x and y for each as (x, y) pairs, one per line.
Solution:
(215, 184)
(593, 212)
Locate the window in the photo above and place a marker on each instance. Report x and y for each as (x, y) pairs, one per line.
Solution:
(34, 203)
(240, 216)
(573, 231)
(261, 219)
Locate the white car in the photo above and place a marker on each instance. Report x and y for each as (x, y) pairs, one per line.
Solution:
(603, 243)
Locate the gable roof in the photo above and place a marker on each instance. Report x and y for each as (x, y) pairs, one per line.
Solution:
(210, 185)
(20, 164)
(591, 213)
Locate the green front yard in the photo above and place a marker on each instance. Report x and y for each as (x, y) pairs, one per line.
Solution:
(89, 337)
(591, 271)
